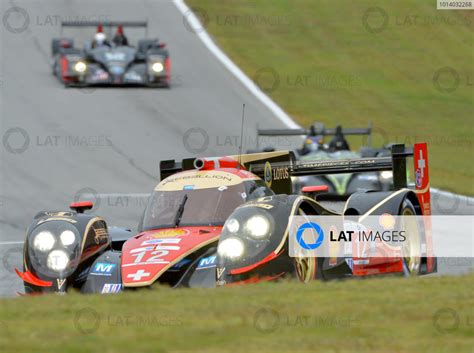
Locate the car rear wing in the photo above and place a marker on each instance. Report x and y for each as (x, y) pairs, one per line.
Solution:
(129, 24)
(317, 130)
(143, 24)
(277, 168)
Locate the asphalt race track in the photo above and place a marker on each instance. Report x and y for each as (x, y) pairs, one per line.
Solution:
(61, 144)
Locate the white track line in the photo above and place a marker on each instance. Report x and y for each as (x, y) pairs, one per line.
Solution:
(229, 64)
(11, 242)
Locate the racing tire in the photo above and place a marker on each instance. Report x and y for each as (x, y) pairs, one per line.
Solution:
(411, 264)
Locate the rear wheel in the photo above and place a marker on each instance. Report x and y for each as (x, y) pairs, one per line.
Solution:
(412, 246)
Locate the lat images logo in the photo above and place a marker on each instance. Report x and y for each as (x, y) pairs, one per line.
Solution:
(316, 229)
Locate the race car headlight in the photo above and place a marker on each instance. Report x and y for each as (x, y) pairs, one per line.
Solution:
(231, 248)
(258, 226)
(44, 241)
(232, 225)
(386, 175)
(57, 260)
(67, 237)
(157, 67)
(80, 66)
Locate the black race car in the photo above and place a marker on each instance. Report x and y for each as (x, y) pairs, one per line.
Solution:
(114, 62)
(315, 148)
(240, 235)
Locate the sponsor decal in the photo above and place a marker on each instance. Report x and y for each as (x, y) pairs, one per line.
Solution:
(100, 75)
(260, 205)
(100, 235)
(220, 271)
(103, 269)
(270, 174)
(146, 248)
(137, 276)
(267, 174)
(418, 178)
(118, 56)
(60, 282)
(280, 173)
(207, 262)
(132, 76)
(188, 187)
(110, 288)
(169, 233)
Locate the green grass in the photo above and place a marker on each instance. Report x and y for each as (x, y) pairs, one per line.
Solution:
(332, 69)
(376, 315)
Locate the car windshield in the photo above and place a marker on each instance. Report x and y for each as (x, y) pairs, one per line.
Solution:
(199, 207)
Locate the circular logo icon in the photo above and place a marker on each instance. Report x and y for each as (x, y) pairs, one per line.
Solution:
(446, 204)
(195, 20)
(446, 320)
(446, 80)
(375, 20)
(12, 256)
(16, 19)
(87, 321)
(267, 78)
(268, 174)
(17, 148)
(316, 228)
(198, 148)
(266, 320)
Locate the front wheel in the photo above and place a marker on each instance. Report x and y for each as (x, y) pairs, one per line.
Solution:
(412, 247)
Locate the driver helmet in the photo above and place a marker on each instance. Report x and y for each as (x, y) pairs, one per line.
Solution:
(313, 144)
(99, 39)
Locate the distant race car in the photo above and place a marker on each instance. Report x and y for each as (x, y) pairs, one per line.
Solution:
(315, 149)
(115, 62)
(219, 221)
